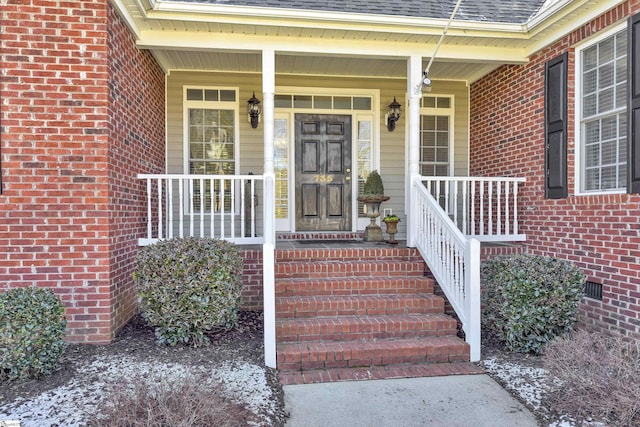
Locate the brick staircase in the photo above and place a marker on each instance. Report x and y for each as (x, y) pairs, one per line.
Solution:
(361, 313)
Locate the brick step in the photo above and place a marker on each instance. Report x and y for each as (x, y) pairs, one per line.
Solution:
(315, 254)
(315, 376)
(347, 328)
(354, 354)
(357, 305)
(335, 268)
(354, 286)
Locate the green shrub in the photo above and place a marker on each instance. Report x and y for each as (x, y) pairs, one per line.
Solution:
(32, 328)
(373, 185)
(188, 288)
(529, 300)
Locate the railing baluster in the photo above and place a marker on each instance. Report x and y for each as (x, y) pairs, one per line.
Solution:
(203, 201)
(482, 229)
(170, 207)
(507, 220)
(243, 209)
(465, 227)
(181, 208)
(472, 225)
(149, 211)
(454, 204)
(212, 202)
(191, 207)
(491, 193)
(515, 208)
(498, 231)
(160, 231)
(253, 208)
(233, 208)
(222, 203)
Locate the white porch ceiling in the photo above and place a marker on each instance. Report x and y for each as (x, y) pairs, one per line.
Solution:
(315, 65)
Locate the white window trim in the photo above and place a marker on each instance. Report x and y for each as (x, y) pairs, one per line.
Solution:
(577, 122)
(227, 105)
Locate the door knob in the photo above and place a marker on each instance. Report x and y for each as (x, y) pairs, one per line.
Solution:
(348, 170)
(347, 178)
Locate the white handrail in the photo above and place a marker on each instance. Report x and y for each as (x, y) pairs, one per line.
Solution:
(205, 206)
(483, 207)
(453, 259)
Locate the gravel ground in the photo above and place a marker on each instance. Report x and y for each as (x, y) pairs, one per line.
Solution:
(71, 396)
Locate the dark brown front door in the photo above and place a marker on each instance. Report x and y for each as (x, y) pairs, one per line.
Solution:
(323, 172)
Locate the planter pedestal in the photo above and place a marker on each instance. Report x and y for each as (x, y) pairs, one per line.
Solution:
(373, 232)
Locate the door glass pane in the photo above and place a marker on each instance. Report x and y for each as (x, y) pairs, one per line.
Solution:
(281, 167)
(365, 157)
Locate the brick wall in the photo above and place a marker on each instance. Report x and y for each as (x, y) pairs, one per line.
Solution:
(252, 289)
(136, 145)
(601, 234)
(60, 154)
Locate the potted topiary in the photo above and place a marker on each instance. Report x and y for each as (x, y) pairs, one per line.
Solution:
(372, 196)
(391, 221)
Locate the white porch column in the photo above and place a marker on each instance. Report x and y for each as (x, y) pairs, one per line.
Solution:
(414, 91)
(268, 249)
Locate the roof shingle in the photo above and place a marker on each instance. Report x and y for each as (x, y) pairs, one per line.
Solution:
(502, 11)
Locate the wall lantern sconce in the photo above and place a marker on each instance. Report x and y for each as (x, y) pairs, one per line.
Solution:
(393, 115)
(253, 110)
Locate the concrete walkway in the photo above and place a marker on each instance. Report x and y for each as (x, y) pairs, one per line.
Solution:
(452, 401)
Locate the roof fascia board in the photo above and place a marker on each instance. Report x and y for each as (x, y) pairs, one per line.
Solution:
(263, 16)
(294, 45)
(122, 10)
(561, 10)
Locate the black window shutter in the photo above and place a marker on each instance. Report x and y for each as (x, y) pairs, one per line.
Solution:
(633, 105)
(555, 127)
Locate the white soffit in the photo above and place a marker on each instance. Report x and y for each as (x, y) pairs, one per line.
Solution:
(192, 36)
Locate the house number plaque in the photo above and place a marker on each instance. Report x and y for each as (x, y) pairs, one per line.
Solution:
(323, 178)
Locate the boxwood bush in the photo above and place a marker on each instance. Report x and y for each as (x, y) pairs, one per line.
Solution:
(528, 300)
(32, 329)
(188, 288)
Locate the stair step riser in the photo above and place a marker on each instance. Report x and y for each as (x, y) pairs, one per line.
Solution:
(368, 328)
(396, 254)
(327, 356)
(356, 306)
(323, 269)
(343, 287)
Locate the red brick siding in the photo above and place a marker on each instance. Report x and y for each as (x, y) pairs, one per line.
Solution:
(599, 233)
(58, 159)
(136, 145)
(252, 283)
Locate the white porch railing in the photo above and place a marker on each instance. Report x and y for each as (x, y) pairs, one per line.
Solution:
(483, 207)
(220, 206)
(453, 258)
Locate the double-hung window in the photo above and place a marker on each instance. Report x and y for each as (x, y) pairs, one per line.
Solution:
(602, 113)
(210, 146)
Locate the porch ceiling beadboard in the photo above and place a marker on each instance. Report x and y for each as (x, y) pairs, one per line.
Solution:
(337, 38)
